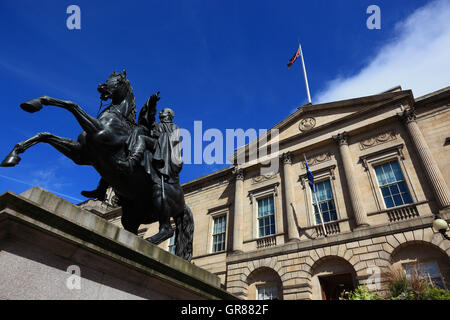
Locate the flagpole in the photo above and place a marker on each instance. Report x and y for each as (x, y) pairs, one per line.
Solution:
(317, 203)
(304, 73)
(320, 214)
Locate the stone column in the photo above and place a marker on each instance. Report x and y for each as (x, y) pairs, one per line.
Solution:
(355, 194)
(238, 211)
(435, 177)
(288, 186)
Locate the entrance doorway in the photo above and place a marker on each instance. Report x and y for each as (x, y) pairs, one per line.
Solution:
(332, 286)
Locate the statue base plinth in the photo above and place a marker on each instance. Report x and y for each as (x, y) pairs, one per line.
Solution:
(53, 249)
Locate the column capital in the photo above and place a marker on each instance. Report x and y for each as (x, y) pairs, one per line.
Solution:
(341, 138)
(286, 158)
(239, 173)
(407, 115)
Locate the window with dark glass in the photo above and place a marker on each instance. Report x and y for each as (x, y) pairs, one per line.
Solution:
(427, 270)
(219, 227)
(267, 292)
(325, 200)
(392, 184)
(266, 217)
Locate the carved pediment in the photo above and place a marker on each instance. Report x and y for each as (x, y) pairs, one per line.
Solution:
(377, 139)
(317, 159)
(310, 119)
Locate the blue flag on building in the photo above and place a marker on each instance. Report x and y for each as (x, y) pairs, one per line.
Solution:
(310, 177)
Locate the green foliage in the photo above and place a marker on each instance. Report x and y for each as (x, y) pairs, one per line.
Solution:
(360, 293)
(430, 293)
(436, 294)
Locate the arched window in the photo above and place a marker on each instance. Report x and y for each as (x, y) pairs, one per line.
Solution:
(430, 261)
(264, 284)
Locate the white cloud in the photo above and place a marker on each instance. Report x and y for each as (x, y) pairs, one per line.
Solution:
(34, 184)
(418, 58)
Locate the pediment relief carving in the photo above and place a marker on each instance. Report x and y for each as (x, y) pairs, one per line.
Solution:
(377, 139)
(317, 159)
(307, 124)
(263, 177)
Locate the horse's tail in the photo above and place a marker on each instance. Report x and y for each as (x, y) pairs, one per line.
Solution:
(184, 234)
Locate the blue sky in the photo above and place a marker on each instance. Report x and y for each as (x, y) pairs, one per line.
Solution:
(221, 62)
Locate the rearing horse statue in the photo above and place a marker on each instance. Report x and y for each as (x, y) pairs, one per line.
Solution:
(103, 144)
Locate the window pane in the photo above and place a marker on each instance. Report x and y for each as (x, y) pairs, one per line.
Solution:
(389, 202)
(380, 175)
(271, 206)
(326, 202)
(333, 215)
(318, 219)
(397, 171)
(331, 205)
(398, 200)
(406, 198)
(385, 191)
(261, 223)
(402, 186)
(429, 271)
(394, 189)
(389, 175)
(267, 293)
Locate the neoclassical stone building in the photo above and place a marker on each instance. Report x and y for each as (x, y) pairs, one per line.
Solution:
(381, 166)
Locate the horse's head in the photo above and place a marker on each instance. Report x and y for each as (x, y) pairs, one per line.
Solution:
(118, 88)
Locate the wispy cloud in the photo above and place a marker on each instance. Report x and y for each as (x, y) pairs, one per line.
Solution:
(417, 58)
(34, 184)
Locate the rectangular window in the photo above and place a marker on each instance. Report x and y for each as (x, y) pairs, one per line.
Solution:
(219, 228)
(324, 198)
(172, 244)
(266, 217)
(429, 271)
(392, 184)
(267, 293)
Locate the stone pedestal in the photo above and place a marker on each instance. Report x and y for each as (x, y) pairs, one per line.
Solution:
(53, 249)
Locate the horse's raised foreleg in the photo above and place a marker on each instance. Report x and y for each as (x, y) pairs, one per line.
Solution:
(87, 122)
(70, 148)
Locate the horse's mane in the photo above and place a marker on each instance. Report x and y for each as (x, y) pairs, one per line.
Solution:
(131, 117)
(132, 102)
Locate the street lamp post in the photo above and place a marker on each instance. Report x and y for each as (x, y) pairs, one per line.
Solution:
(441, 226)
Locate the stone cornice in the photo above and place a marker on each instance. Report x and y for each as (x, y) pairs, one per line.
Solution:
(208, 180)
(332, 240)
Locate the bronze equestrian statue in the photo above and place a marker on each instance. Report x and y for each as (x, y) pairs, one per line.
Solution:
(140, 161)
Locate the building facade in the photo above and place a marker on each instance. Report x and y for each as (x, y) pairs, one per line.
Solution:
(381, 172)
